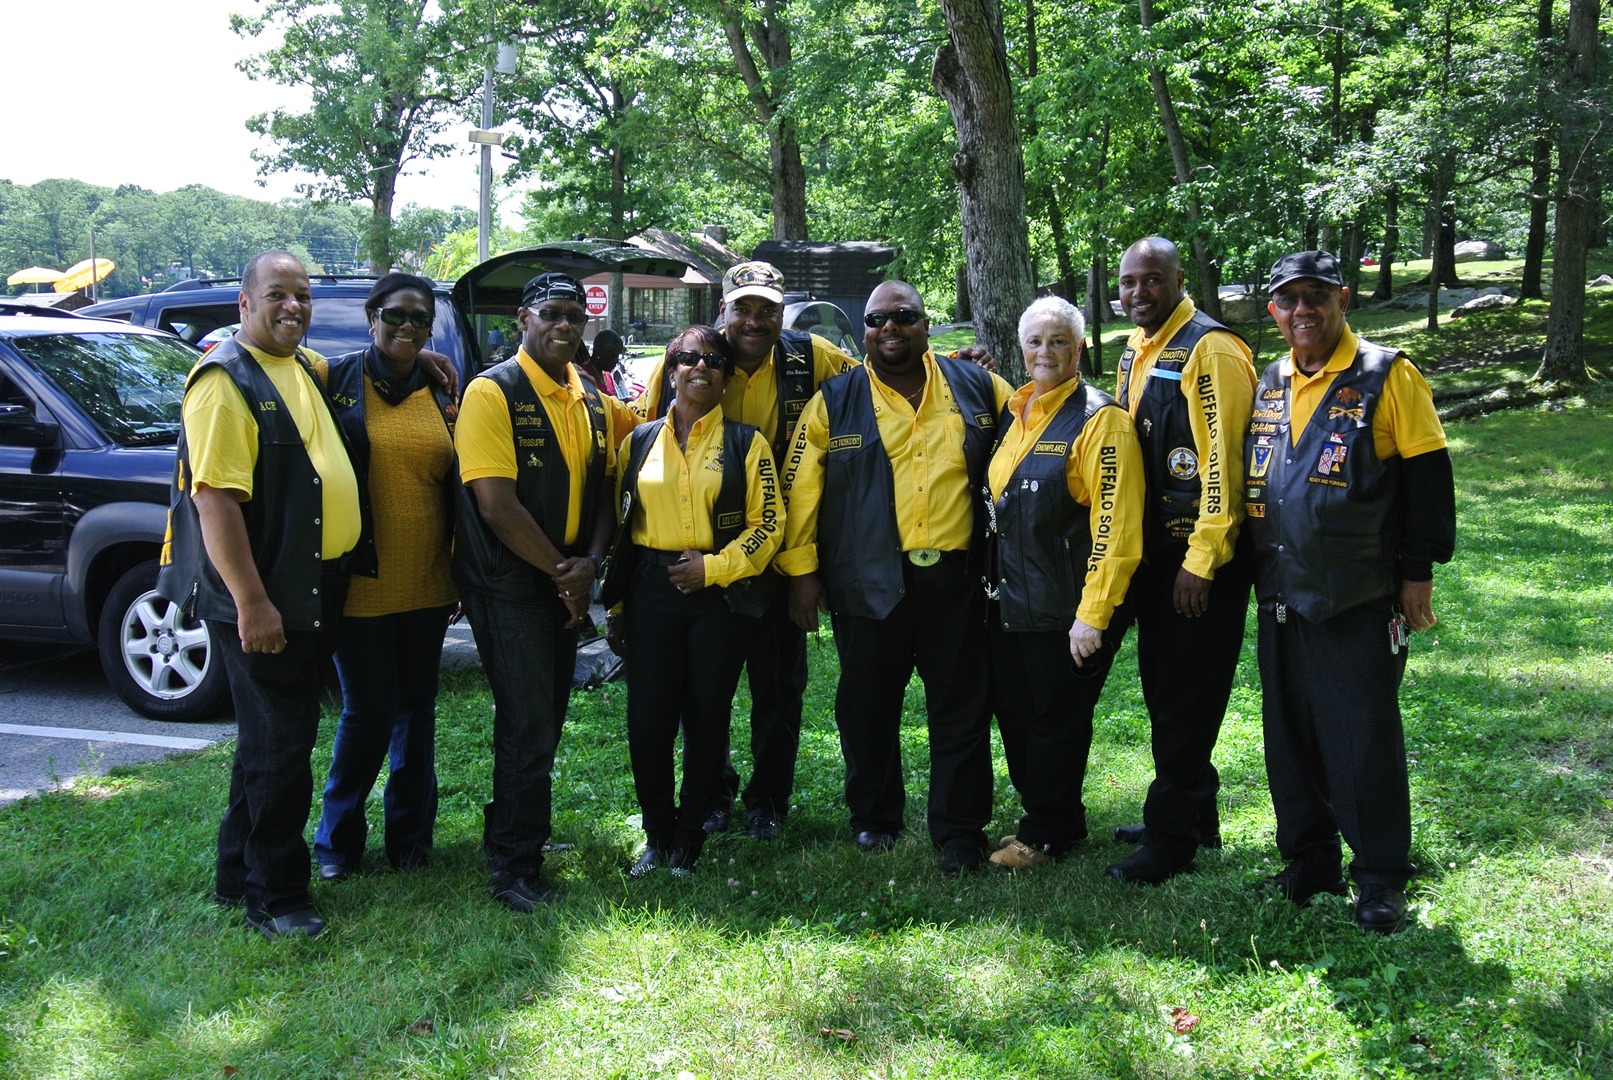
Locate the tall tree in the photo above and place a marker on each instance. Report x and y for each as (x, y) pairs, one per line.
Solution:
(758, 31)
(1584, 114)
(384, 77)
(970, 73)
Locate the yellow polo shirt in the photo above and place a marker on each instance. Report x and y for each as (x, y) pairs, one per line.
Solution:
(1116, 521)
(1405, 421)
(485, 439)
(934, 506)
(222, 436)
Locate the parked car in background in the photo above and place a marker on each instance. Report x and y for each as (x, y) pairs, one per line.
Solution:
(89, 423)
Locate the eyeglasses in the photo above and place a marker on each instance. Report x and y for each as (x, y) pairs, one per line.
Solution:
(396, 316)
(901, 317)
(570, 316)
(714, 361)
(1315, 298)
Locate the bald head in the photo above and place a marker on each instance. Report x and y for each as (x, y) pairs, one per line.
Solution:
(891, 345)
(1151, 281)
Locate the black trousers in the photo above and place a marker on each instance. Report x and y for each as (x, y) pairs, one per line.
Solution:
(1186, 667)
(1335, 749)
(775, 657)
(939, 628)
(1044, 707)
(262, 855)
(683, 659)
(529, 657)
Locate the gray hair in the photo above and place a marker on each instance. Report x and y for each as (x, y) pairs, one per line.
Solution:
(1060, 309)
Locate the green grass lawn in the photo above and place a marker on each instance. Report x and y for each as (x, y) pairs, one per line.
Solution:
(806, 958)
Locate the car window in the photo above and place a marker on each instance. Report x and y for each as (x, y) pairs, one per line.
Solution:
(131, 385)
(194, 323)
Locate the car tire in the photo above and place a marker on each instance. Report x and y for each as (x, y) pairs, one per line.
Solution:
(163, 666)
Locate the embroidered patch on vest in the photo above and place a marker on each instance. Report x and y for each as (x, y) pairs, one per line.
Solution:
(1183, 463)
(1057, 448)
(845, 442)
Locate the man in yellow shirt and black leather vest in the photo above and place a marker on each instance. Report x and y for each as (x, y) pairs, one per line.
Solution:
(1188, 383)
(267, 513)
(536, 445)
(881, 531)
(1351, 502)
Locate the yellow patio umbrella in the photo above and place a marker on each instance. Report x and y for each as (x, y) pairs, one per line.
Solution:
(34, 275)
(82, 274)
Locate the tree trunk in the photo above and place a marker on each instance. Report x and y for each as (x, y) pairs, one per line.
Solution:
(380, 238)
(787, 176)
(965, 312)
(1534, 249)
(1046, 192)
(970, 73)
(1391, 246)
(1564, 356)
(1097, 312)
(1209, 272)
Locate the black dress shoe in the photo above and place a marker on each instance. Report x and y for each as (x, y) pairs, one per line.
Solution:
(228, 899)
(680, 863)
(1381, 909)
(763, 827)
(870, 840)
(717, 820)
(1300, 880)
(521, 894)
(960, 860)
(331, 871)
(1145, 866)
(1133, 834)
(647, 862)
(305, 921)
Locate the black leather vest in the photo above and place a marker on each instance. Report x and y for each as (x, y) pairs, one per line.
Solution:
(1170, 454)
(1324, 514)
(482, 562)
(282, 517)
(748, 596)
(1039, 538)
(793, 377)
(346, 390)
(859, 543)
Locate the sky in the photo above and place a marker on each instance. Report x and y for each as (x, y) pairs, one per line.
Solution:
(160, 103)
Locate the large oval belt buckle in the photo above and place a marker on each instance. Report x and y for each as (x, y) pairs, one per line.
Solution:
(924, 556)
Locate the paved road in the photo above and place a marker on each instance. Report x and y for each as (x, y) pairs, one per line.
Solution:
(59, 719)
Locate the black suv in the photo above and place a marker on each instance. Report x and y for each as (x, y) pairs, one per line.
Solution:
(89, 419)
(193, 309)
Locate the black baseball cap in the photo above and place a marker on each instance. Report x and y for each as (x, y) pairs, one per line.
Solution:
(1316, 265)
(552, 286)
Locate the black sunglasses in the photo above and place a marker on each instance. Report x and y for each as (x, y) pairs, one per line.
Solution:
(396, 316)
(569, 316)
(901, 317)
(714, 361)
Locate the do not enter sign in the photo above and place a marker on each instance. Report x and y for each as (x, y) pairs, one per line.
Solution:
(597, 301)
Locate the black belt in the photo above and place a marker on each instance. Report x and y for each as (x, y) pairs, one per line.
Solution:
(659, 558)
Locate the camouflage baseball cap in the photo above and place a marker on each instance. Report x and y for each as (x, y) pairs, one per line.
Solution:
(753, 279)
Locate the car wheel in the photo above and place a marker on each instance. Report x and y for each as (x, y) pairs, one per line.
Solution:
(162, 665)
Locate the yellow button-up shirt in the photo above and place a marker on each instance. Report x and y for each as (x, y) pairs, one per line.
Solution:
(1115, 516)
(677, 491)
(485, 440)
(1218, 382)
(1405, 421)
(934, 506)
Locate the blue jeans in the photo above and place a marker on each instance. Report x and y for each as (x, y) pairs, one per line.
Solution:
(388, 666)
